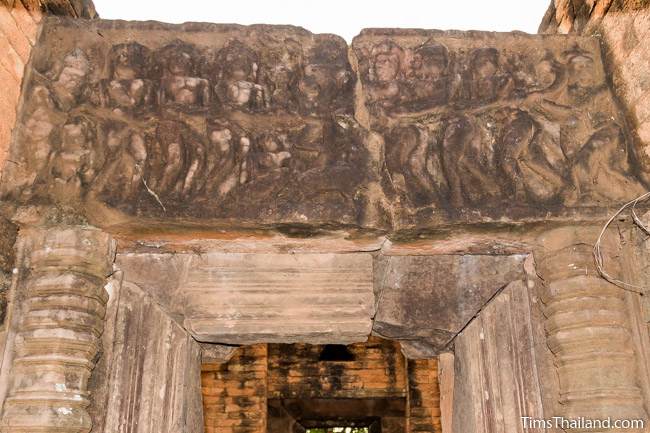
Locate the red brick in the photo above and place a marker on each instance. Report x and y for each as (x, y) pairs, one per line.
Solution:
(25, 22)
(10, 59)
(16, 38)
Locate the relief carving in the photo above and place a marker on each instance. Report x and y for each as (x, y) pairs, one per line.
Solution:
(238, 76)
(128, 91)
(180, 83)
(491, 124)
(243, 127)
(261, 123)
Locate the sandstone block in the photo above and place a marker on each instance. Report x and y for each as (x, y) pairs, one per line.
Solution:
(428, 300)
(248, 298)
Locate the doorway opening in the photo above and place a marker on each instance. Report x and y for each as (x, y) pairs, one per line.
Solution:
(301, 388)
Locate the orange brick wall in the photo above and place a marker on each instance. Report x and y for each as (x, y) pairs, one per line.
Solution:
(423, 396)
(377, 371)
(234, 393)
(18, 30)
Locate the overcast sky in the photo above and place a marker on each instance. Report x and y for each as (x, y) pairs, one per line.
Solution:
(343, 17)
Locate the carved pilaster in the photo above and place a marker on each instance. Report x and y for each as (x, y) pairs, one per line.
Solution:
(588, 330)
(62, 306)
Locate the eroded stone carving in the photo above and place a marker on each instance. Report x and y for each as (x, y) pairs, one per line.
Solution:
(253, 124)
(272, 125)
(128, 90)
(487, 123)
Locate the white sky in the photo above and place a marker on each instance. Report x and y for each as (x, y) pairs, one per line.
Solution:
(342, 17)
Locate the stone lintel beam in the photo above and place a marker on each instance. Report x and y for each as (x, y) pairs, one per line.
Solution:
(63, 300)
(258, 298)
(402, 132)
(425, 301)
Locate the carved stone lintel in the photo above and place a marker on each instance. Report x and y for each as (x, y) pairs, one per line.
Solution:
(587, 330)
(63, 308)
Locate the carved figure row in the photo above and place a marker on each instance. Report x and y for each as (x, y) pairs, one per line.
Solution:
(173, 161)
(508, 155)
(402, 80)
(187, 78)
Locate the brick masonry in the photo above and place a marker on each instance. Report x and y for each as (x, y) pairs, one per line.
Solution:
(423, 396)
(235, 393)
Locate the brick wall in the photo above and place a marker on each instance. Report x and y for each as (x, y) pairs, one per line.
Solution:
(18, 30)
(378, 370)
(423, 396)
(19, 24)
(234, 393)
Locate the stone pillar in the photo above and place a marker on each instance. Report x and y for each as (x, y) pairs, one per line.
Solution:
(587, 330)
(62, 307)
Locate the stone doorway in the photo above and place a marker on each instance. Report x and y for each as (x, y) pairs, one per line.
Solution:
(399, 189)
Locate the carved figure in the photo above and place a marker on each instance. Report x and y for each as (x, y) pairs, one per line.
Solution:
(387, 60)
(237, 81)
(325, 78)
(227, 159)
(428, 77)
(38, 128)
(180, 83)
(70, 78)
(77, 159)
(412, 160)
(602, 171)
(530, 159)
(279, 74)
(122, 177)
(468, 162)
(486, 81)
(128, 88)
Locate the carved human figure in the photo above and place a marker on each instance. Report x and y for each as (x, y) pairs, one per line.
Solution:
(226, 160)
(176, 166)
(274, 151)
(237, 79)
(468, 162)
(386, 66)
(487, 82)
(531, 159)
(541, 77)
(68, 80)
(325, 77)
(601, 170)
(428, 79)
(128, 89)
(122, 177)
(77, 159)
(279, 73)
(583, 78)
(412, 160)
(38, 127)
(180, 81)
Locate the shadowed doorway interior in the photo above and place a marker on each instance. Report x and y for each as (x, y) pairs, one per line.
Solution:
(359, 388)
